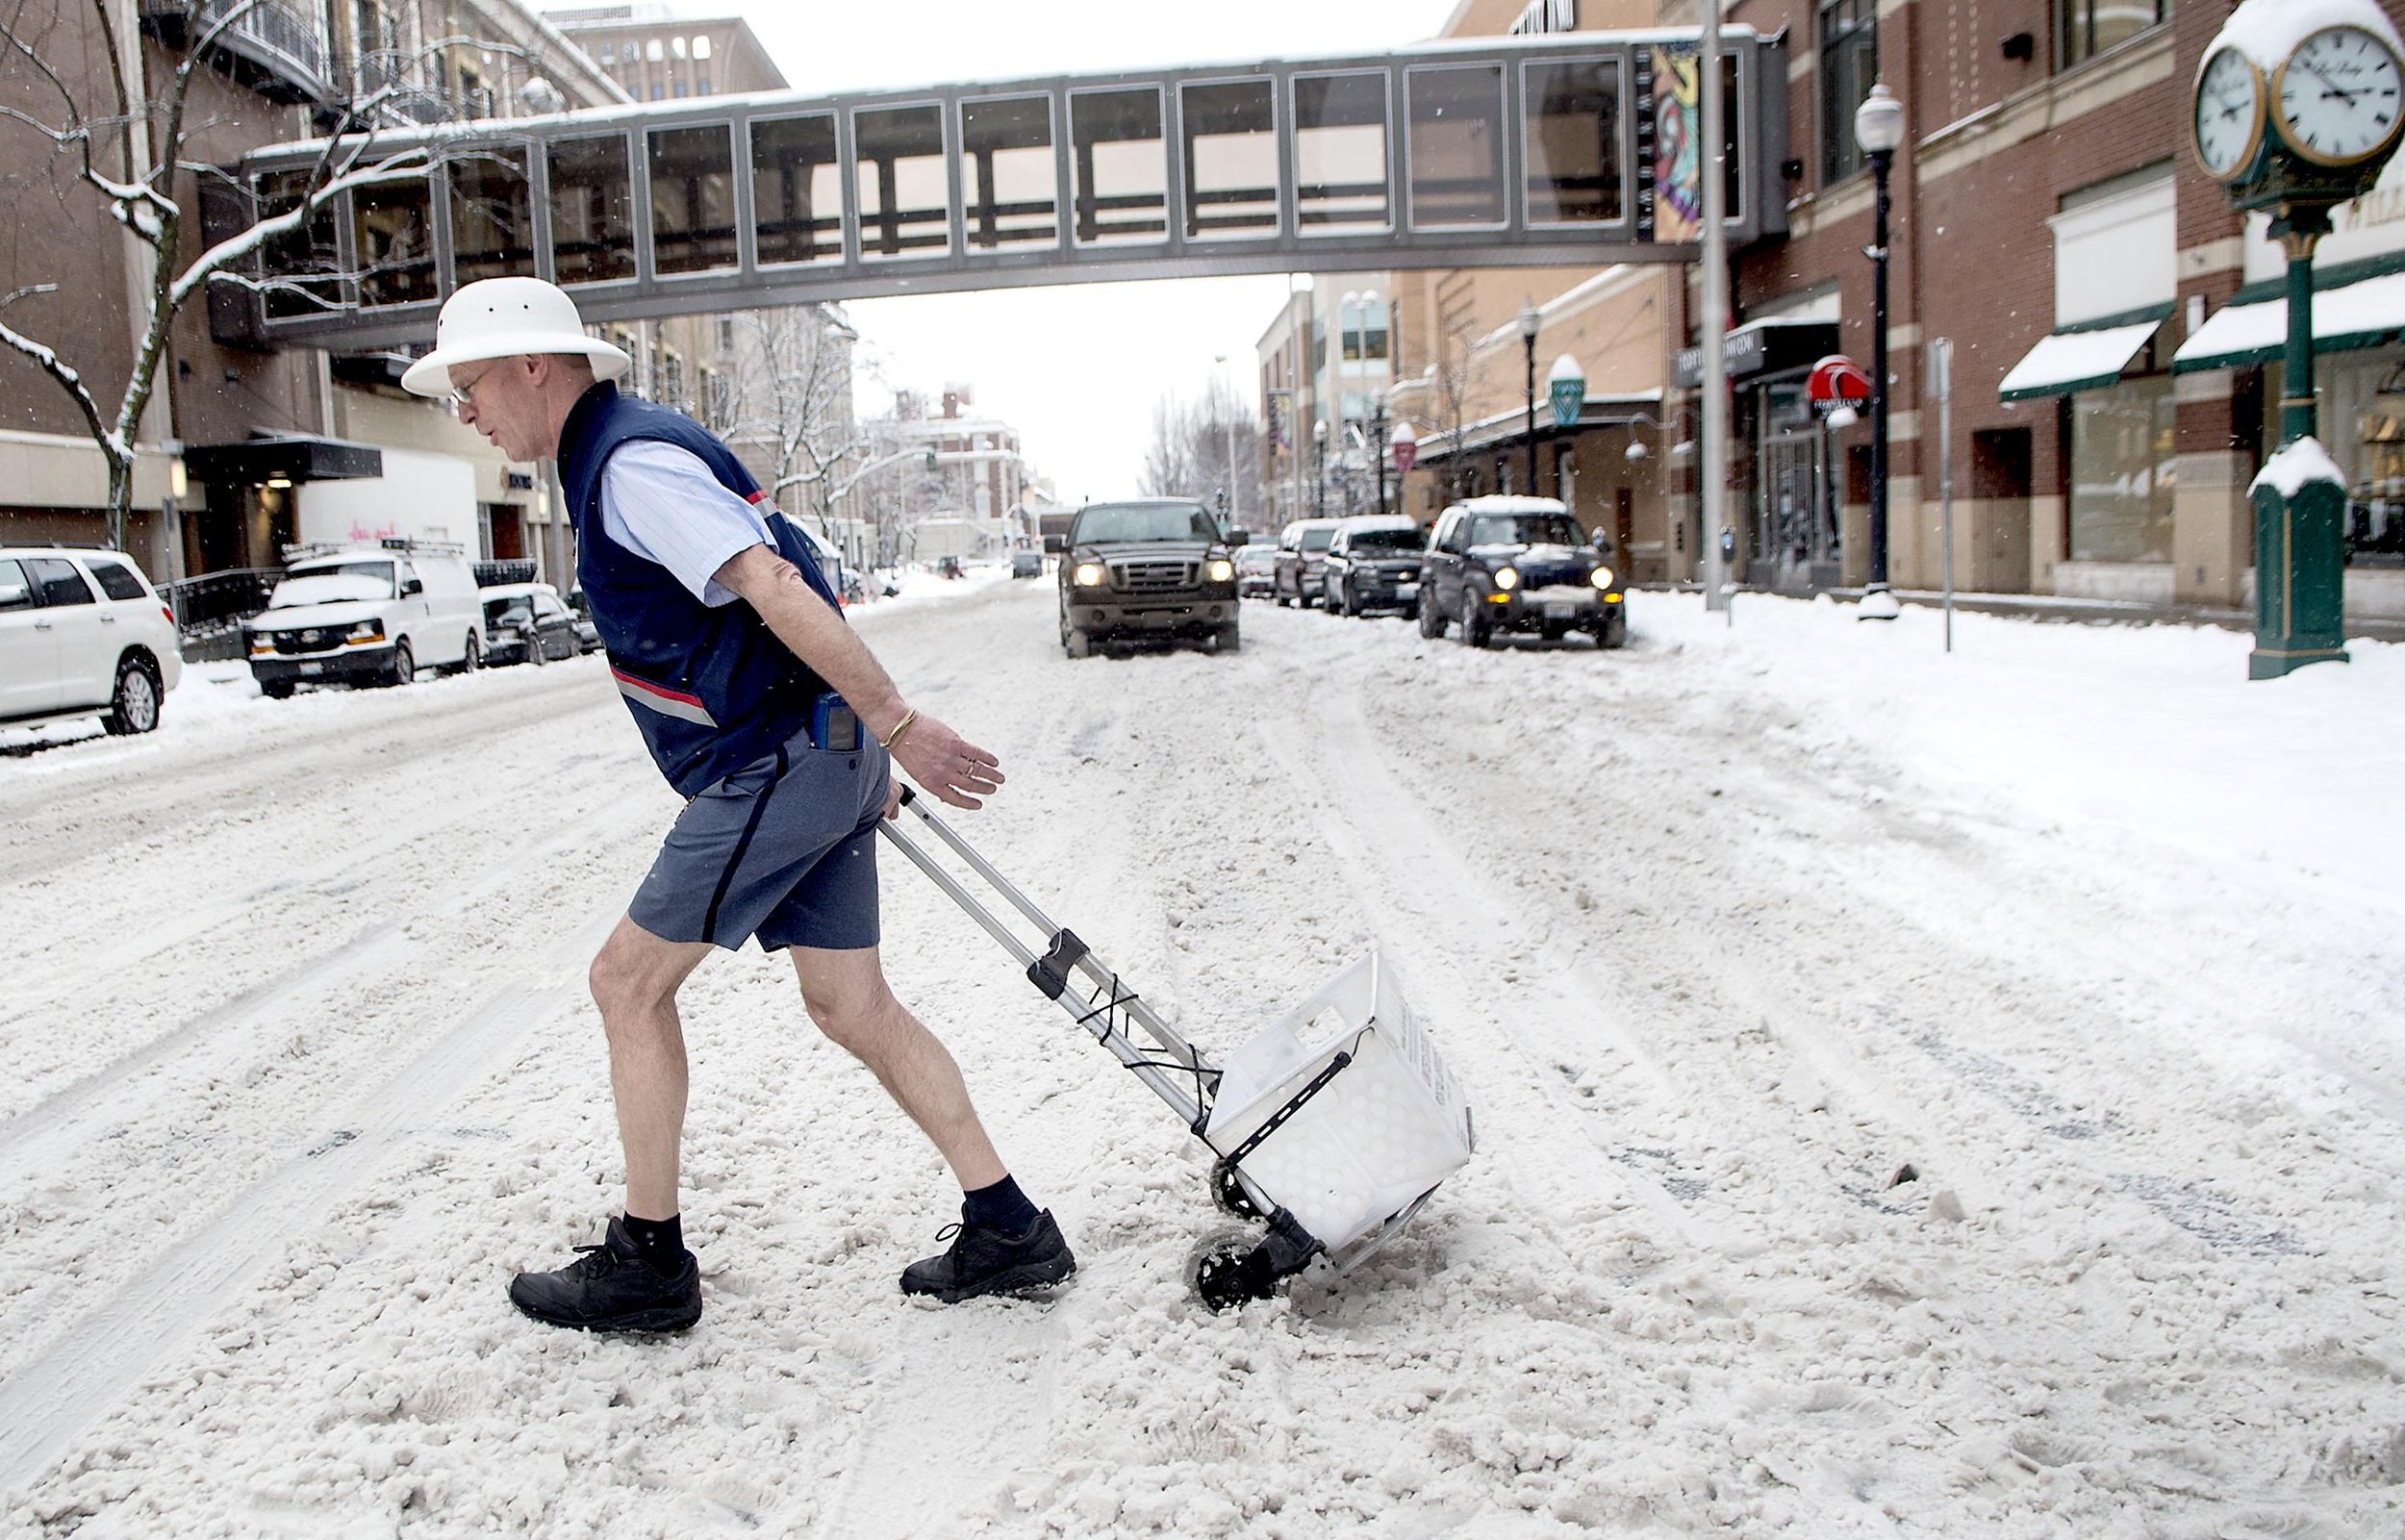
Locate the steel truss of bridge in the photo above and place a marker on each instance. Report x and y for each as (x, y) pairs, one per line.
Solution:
(1566, 150)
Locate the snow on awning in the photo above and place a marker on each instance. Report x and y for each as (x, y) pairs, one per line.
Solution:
(2068, 360)
(2366, 313)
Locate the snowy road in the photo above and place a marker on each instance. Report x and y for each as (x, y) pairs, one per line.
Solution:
(1719, 933)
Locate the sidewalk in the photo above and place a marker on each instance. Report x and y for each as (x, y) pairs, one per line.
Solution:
(2070, 611)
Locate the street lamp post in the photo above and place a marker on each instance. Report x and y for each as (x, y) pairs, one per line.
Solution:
(1530, 322)
(1377, 445)
(1879, 127)
(1319, 444)
(1221, 360)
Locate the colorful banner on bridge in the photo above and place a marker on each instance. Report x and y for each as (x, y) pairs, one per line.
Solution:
(1678, 145)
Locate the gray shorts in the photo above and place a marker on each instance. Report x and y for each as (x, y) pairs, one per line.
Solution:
(783, 849)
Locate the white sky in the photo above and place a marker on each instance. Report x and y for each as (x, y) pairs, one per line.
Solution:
(1075, 368)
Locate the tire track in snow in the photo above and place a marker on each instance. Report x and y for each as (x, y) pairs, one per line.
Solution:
(1444, 895)
(89, 1368)
(58, 828)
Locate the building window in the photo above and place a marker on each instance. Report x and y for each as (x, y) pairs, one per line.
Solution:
(2089, 27)
(726, 334)
(677, 46)
(702, 45)
(653, 51)
(608, 54)
(1849, 63)
(703, 90)
(2124, 451)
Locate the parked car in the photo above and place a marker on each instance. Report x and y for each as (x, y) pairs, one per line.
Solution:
(1257, 571)
(1519, 564)
(1301, 549)
(1027, 564)
(1158, 570)
(367, 614)
(1374, 564)
(526, 622)
(83, 634)
(588, 635)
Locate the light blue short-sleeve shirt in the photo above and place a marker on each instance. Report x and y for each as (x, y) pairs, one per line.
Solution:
(662, 503)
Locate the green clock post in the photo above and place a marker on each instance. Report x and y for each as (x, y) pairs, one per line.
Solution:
(2298, 109)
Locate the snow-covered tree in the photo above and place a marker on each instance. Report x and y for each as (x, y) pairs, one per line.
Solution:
(118, 137)
(789, 403)
(1189, 452)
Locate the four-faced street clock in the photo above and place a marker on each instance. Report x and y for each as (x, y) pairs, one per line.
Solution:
(2299, 105)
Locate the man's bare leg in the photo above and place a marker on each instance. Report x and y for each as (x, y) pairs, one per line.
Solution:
(635, 979)
(846, 994)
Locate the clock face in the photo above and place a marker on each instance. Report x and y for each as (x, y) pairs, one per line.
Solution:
(2340, 96)
(2229, 112)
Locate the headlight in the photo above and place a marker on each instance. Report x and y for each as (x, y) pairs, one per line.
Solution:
(1223, 571)
(1089, 574)
(366, 631)
(260, 644)
(1506, 578)
(1602, 577)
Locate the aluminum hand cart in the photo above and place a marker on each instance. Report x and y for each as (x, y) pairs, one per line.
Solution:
(1331, 1126)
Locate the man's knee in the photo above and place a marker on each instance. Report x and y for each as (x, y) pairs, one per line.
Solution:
(851, 1013)
(625, 980)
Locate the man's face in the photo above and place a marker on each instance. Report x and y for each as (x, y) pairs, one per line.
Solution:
(498, 398)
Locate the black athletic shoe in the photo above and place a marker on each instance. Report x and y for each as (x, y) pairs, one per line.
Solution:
(985, 1261)
(611, 1288)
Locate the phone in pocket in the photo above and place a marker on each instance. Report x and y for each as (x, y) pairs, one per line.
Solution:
(833, 726)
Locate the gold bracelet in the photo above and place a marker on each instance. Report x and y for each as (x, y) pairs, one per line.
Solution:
(901, 727)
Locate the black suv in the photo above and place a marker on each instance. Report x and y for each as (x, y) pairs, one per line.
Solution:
(1519, 564)
(1373, 564)
(1158, 570)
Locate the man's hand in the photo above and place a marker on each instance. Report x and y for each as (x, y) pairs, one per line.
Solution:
(944, 763)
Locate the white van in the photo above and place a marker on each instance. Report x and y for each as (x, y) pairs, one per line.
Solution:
(83, 634)
(367, 614)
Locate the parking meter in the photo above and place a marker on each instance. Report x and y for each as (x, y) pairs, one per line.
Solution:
(1728, 544)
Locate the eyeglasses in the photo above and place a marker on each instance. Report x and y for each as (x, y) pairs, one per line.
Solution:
(460, 393)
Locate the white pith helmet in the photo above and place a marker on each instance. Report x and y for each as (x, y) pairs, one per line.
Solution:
(503, 317)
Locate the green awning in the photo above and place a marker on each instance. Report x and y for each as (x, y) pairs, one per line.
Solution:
(2080, 357)
(2369, 312)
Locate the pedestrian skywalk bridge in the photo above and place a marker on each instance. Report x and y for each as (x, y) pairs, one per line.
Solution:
(1566, 150)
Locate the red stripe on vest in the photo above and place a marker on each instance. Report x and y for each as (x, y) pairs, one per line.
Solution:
(661, 691)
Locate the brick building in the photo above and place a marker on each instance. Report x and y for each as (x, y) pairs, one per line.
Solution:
(2050, 219)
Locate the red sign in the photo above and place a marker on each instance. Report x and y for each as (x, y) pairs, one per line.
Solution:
(1838, 381)
(1406, 453)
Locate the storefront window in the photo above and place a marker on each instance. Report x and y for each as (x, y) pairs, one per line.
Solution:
(2363, 424)
(2124, 448)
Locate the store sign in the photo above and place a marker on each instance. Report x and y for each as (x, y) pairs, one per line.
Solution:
(1547, 15)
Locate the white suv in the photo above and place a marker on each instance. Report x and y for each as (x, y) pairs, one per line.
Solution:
(82, 634)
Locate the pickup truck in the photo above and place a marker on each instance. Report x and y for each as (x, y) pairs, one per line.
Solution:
(1157, 569)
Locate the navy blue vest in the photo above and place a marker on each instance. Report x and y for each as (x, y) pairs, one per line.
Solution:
(711, 686)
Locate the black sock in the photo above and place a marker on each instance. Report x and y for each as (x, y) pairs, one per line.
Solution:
(1001, 1206)
(660, 1242)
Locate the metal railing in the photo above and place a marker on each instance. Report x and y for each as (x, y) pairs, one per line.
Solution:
(210, 610)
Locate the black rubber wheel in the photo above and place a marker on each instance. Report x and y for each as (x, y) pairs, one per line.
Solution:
(1229, 638)
(534, 654)
(134, 703)
(1476, 632)
(1431, 619)
(1230, 1278)
(404, 665)
(472, 659)
(1078, 643)
(1229, 1192)
(276, 688)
